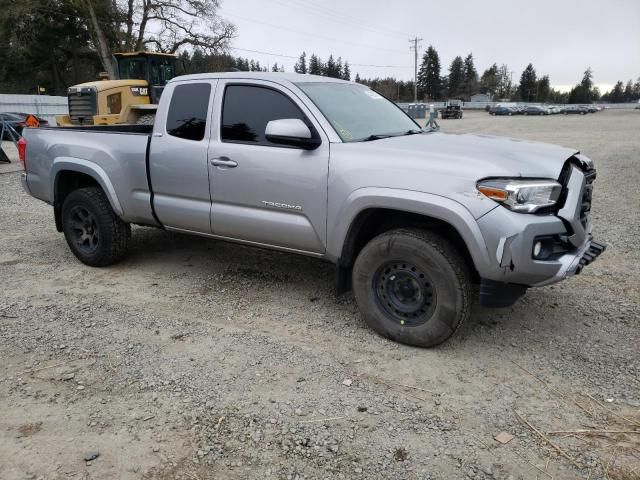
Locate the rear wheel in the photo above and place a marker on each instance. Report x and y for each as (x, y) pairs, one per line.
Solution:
(412, 286)
(94, 233)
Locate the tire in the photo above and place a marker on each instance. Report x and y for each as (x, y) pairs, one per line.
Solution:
(94, 233)
(146, 119)
(394, 265)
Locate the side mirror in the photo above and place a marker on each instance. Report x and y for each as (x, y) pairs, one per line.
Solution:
(292, 132)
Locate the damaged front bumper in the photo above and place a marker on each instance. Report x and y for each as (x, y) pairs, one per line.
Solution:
(510, 239)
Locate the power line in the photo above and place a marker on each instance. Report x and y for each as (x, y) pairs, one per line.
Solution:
(315, 10)
(279, 27)
(262, 52)
(282, 55)
(355, 20)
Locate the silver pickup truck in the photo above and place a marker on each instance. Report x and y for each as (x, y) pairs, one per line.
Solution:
(412, 219)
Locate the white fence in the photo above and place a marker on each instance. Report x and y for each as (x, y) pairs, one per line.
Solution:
(43, 106)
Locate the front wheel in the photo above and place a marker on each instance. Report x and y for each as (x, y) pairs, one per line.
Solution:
(94, 233)
(412, 286)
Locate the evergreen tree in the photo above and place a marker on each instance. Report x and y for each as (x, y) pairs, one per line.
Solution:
(330, 67)
(584, 91)
(429, 83)
(628, 92)
(338, 72)
(301, 64)
(198, 62)
(617, 94)
(275, 67)
(315, 65)
(543, 88)
(470, 82)
(528, 84)
(358, 79)
(456, 77)
(346, 72)
(490, 80)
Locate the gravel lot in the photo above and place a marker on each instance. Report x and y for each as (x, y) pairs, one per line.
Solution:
(198, 359)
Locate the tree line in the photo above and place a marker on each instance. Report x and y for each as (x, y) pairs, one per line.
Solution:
(57, 43)
(462, 80)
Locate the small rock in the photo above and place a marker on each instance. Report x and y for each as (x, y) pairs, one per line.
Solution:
(347, 382)
(68, 376)
(92, 455)
(80, 387)
(298, 411)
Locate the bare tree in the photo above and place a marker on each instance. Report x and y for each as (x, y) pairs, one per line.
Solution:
(99, 39)
(167, 25)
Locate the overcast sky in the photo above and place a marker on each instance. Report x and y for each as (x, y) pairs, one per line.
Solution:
(560, 37)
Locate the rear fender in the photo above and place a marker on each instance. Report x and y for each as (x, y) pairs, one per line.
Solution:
(65, 164)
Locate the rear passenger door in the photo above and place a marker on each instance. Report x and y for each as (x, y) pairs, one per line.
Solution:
(178, 157)
(262, 192)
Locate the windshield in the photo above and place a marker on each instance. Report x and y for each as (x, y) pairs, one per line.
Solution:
(133, 68)
(357, 112)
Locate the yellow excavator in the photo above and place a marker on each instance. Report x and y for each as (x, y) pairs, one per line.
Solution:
(130, 98)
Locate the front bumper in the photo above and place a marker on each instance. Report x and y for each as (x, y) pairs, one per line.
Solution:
(510, 237)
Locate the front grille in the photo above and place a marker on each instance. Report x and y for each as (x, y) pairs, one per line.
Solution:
(82, 106)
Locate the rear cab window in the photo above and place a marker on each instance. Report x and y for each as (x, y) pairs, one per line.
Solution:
(188, 111)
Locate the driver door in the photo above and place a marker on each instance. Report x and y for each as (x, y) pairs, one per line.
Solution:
(262, 192)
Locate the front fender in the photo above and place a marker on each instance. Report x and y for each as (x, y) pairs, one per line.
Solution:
(435, 206)
(63, 164)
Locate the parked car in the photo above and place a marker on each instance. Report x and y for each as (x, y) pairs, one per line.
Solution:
(575, 109)
(535, 110)
(330, 169)
(501, 110)
(17, 121)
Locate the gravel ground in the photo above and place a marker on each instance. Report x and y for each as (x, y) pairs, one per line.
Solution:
(199, 359)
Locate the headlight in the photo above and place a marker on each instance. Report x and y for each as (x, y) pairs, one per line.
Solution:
(521, 195)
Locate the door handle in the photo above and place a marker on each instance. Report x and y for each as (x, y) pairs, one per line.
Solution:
(224, 162)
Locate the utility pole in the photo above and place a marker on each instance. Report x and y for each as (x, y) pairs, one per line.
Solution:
(414, 47)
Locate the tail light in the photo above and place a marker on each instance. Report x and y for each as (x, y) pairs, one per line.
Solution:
(22, 152)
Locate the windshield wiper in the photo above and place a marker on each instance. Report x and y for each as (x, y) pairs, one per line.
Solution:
(377, 136)
(413, 132)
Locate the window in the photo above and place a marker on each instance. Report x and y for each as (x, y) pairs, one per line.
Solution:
(114, 103)
(187, 117)
(248, 109)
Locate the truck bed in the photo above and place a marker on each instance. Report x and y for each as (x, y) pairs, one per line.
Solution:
(116, 155)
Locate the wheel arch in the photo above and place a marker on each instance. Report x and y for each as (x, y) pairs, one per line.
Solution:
(69, 174)
(379, 210)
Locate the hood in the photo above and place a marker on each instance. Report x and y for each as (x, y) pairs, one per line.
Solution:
(471, 155)
(102, 85)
